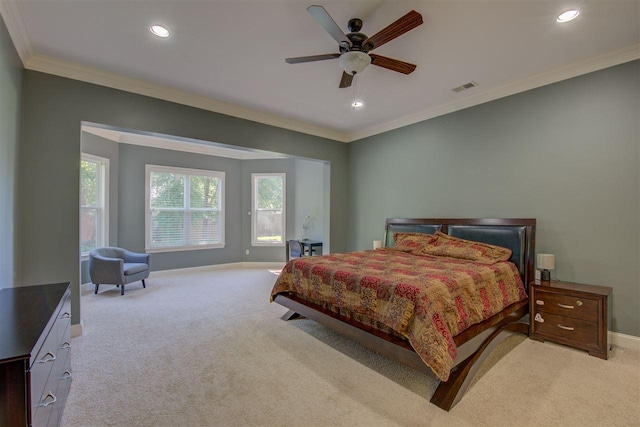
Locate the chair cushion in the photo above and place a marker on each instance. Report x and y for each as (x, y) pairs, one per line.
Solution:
(131, 268)
(109, 252)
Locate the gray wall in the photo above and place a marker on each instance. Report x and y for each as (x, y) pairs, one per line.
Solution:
(10, 100)
(53, 110)
(309, 200)
(566, 154)
(131, 215)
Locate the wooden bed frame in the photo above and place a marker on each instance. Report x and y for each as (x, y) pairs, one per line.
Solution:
(475, 343)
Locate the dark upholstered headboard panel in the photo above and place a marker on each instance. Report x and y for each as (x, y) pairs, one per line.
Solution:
(517, 234)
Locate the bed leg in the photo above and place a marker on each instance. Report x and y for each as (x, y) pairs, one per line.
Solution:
(290, 315)
(450, 392)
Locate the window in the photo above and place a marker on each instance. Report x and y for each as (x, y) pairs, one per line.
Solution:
(184, 209)
(94, 190)
(268, 209)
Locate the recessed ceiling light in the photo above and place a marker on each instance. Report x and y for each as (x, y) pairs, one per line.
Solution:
(357, 104)
(569, 15)
(159, 31)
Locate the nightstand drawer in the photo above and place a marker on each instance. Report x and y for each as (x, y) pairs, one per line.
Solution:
(566, 305)
(566, 327)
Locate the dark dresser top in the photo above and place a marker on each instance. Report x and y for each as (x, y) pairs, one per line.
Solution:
(24, 314)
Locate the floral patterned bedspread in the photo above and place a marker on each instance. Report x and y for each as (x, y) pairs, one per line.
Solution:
(426, 299)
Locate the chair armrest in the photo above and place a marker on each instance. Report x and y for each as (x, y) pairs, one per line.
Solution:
(136, 257)
(106, 270)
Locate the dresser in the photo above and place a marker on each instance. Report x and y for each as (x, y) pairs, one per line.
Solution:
(573, 314)
(35, 364)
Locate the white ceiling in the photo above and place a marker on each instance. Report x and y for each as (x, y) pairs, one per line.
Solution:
(228, 56)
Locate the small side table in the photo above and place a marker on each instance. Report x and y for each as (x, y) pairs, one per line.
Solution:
(310, 244)
(573, 314)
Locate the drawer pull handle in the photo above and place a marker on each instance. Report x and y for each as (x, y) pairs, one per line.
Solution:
(65, 315)
(44, 358)
(566, 328)
(65, 346)
(44, 405)
(538, 318)
(565, 306)
(579, 303)
(66, 375)
(539, 302)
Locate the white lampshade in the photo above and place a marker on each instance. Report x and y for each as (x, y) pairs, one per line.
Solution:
(546, 261)
(354, 62)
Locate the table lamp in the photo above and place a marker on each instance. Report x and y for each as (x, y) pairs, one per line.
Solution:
(546, 262)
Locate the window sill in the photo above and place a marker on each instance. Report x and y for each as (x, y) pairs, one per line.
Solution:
(182, 248)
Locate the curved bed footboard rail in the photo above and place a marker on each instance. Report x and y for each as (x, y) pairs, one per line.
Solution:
(450, 392)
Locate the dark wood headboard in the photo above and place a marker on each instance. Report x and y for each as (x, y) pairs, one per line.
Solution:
(517, 234)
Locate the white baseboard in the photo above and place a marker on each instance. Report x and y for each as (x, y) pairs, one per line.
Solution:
(76, 330)
(234, 265)
(204, 268)
(625, 341)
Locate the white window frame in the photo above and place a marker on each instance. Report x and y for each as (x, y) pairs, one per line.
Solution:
(182, 171)
(254, 208)
(102, 194)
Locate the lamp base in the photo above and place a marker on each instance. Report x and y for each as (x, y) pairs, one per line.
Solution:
(545, 275)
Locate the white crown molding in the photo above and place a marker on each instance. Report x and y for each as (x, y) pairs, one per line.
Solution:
(180, 144)
(76, 71)
(12, 16)
(92, 75)
(574, 69)
(109, 134)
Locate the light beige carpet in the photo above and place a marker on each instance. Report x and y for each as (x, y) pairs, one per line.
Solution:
(208, 349)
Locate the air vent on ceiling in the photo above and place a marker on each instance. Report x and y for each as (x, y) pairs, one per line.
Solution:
(464, 86)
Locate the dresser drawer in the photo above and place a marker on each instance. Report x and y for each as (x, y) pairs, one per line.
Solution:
(64, 317)
(568, 328)
(42, 366)
(63, 378)
(566, 305)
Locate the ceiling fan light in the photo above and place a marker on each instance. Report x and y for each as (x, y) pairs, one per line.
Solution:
(354, 62)
(569, 15)
(159, 31)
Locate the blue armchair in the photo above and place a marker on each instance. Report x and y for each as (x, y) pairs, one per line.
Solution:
(117, 266)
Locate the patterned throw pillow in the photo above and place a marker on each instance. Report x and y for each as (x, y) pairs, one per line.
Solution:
(410, 242)
(453, 247)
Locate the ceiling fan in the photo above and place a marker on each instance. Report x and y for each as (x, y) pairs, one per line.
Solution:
(355, 47)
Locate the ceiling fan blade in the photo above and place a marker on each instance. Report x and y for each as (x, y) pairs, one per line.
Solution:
(346, 80)
(396, 29)
(392, 64)
(325, 20)
(301, 59)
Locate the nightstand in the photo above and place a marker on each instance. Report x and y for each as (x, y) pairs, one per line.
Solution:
(570, 313)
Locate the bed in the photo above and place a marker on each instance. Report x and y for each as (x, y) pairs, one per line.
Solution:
(438, 297)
